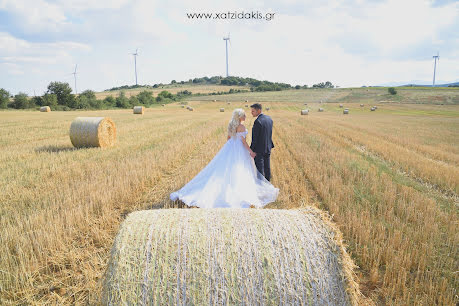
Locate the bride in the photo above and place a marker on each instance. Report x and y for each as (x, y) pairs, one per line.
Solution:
(231, 178)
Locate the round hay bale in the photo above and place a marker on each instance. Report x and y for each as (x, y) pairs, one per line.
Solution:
(321, 109)
(246, 105)
(45, 109)
(361, 105)
(228, 103)
(92, 132)
(222, 110)
(341, 106)
(215, 100)
(246, 101)
(139, 110)
(268, 108)
(163, 104)
(229, 256)
(346, 111)
(182, 106)
(305, 112)
(373, 109)
(190, 109)
(305, 104)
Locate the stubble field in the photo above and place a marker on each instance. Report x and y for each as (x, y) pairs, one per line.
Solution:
(389, 178)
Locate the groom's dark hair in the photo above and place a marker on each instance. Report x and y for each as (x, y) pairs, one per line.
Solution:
(256, 106)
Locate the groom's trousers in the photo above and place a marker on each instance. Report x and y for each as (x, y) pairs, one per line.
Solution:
(263, 164)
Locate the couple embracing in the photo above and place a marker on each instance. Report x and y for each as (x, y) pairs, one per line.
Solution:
(238, 176)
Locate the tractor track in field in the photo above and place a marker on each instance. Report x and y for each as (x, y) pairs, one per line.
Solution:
(307, 181)
(433, 190)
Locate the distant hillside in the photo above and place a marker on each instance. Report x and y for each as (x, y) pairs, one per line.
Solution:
(456, 84)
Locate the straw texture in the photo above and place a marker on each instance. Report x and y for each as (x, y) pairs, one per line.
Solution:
(45, 109)
(228, 256)
(139, 110)
(92, 132)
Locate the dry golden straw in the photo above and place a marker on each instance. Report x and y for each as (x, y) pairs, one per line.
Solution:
(92, 132)
(229, 257)
(45, 109)
(139, 110)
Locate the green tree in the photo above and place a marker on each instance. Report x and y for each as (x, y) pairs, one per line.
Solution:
(4, 98)
(36, 101)
(145, 97)
(49, 100)
(110, 101)
(392, 90)
(63, 93)
(20, 101)
(122, 101)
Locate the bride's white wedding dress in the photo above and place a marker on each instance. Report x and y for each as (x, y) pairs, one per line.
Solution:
(229, 180)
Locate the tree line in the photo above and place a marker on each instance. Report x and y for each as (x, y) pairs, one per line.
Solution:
(59, 97)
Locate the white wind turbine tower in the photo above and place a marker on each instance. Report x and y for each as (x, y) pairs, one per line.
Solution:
(226, 39)
(135, 64)
(435, 57)
(74, 75)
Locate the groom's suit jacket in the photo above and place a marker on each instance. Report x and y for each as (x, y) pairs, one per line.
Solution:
(262, 132)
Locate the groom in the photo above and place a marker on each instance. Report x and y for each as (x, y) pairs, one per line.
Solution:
(261, 140)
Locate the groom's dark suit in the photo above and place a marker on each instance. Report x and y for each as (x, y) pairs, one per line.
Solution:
(262, 144)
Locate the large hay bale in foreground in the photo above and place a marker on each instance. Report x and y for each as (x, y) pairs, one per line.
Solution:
(139, 110)
(229, 256)
(92, 132)
(45, 109)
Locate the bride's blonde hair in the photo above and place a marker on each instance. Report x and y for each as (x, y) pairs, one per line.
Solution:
(238, 113)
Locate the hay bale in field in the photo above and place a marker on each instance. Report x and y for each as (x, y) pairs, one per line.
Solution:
(228, 103)
(246, 101)
(229, 256)
(222, 110)
(346, 111)
(246, 105)
(305, 112)
(361, 105)
(163, 104)
(139, 110)
(92, 132)
(190, 109)
(215, 100)
(373, 109)
(321, 109)
(341, 106)
(45, 109)
(182, 106)
(305, 104)
(268, 108)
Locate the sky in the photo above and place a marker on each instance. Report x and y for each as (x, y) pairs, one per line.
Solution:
(349, 42)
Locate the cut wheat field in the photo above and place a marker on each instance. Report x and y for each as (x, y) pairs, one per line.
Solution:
(389, 179)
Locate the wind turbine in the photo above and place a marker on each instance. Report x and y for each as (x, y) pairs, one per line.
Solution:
(226, 39)
(74, 75)
(435, 57)
(135, 64)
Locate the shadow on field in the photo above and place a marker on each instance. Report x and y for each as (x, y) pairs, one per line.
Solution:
(55, 149)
